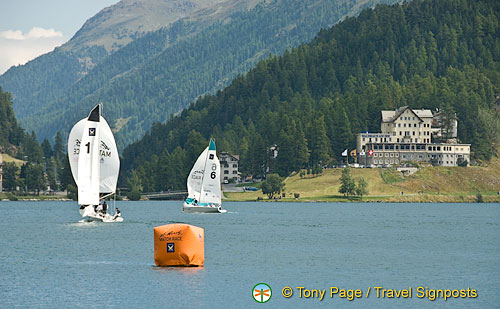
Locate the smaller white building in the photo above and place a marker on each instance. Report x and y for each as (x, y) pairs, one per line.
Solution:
(229, 167)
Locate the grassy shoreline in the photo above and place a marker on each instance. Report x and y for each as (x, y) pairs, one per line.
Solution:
(431, 184)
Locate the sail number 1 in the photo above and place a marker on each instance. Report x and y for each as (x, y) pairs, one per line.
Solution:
(88, 147)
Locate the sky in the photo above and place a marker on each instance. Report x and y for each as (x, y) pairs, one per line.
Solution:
(30, 28)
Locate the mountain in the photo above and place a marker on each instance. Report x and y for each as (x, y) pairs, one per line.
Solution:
(158, 73)
(118, 25)
(312, 101)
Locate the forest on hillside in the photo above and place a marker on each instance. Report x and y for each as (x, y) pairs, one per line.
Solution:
(160, 73)
(312, 100)
(38, 166)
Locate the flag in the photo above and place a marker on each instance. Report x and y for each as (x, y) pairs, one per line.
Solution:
(353, 153)
(344, 154)
(362, 153)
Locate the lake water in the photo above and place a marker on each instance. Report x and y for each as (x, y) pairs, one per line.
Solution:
(49, 260)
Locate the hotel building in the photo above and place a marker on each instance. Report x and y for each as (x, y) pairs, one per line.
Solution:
(407, 137)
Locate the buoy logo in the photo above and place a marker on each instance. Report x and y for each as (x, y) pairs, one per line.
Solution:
(171, 247)
(262, 293)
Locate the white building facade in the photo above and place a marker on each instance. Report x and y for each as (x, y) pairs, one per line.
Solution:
(229, 165)
(407, 137)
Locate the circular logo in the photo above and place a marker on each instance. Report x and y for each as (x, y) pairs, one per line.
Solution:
(262, 293)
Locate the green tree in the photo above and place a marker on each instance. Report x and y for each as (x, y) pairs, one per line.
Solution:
(347, 183)
(31, 148)
(135, 185)
(362, 187)
(59, 146)
(319, 144)
(272, 185)
(448, 118)
(257, 161)
(46, 149)
(10, 170)
(35, 179)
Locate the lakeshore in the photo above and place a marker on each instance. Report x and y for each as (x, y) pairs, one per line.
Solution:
(430, 184)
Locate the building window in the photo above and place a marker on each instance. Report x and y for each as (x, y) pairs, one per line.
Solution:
(235, 172)
(226, 172)
(235, 165)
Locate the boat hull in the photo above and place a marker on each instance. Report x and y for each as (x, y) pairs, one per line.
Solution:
(202, 209)
(88, 214)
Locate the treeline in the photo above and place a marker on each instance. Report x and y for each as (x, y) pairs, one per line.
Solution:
(42, 165)
(160, 73)
(311, 101)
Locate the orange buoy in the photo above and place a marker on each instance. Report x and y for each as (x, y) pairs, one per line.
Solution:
(179, 245)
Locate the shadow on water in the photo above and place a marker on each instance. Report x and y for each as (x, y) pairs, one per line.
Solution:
(178, 269)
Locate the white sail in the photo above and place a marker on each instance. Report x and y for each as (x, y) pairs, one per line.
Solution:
(93, 158)
(196, 176)
(210, 187)
(109, 159)
(88, 165)
(74, 141)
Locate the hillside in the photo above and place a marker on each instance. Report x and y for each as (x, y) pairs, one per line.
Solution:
(429, 184)
(313, 100)
(53, 75)
(159, 73)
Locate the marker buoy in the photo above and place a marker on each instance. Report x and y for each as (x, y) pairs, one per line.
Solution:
(179, 245)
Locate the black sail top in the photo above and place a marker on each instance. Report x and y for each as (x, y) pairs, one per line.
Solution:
(95, 113)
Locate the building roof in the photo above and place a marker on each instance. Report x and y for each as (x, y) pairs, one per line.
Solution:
(224, 153)
(390, 116)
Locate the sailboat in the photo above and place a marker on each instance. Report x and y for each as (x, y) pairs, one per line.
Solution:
(94, 162)
(203, 183)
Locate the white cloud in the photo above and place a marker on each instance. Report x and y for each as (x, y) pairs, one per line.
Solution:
(34, 33)
(37, 32)
(17, 48)
(12, 35)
